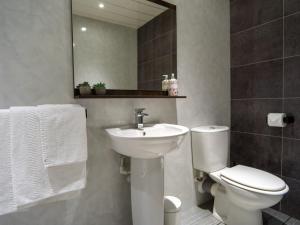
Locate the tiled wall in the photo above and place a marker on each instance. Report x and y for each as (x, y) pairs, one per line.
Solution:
(157, 50)
(265, 77)
(92, 60)
(203, 76)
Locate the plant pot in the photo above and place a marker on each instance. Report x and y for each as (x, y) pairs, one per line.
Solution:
(85, 90)
(100, 91)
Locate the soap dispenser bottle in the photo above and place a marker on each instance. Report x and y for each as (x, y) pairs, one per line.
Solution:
(173, 86)
(165, 83)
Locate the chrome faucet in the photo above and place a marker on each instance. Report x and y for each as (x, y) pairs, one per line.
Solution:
(139, 118)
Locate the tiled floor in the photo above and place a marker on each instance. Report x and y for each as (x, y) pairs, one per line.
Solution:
(197, 216)
(200, 216)
(273, 217)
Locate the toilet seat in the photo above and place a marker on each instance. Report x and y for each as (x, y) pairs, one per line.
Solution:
(254, 180)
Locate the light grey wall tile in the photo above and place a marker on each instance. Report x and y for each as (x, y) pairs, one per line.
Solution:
(204, 76)
(106, 53)
(35, 68)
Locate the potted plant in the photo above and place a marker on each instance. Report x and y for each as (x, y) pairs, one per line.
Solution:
(100, 88)
(84, 88)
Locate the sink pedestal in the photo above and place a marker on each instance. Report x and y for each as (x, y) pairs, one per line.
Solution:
(147, 191)
(146, 148)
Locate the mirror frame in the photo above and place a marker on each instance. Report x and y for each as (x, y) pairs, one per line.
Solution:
(121, 93)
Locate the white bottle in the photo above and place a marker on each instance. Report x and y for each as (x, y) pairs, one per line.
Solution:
(173, 86)
(165, 83)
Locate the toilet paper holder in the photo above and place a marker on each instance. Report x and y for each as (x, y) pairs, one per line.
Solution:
(280, 119)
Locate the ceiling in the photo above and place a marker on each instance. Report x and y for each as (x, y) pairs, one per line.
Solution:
(130, 13)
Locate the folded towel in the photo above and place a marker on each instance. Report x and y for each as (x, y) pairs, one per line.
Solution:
(63, 134)
(30, 178)
(33, 182)
(7, 203)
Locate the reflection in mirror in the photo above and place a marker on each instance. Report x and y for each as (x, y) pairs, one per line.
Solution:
(126, 44)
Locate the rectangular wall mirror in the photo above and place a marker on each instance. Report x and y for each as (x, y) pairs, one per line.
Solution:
(126, 44)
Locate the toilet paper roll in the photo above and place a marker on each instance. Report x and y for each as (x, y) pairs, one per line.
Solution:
(276, 119)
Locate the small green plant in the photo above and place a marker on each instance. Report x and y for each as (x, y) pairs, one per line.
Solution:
(100, 85)
(84, 84)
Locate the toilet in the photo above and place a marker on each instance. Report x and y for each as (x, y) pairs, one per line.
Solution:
(240, 192)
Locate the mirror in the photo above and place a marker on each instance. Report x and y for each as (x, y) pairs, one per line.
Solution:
(126, 44)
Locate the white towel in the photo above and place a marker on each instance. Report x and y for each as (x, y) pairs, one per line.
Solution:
(33, 182)
(30, 178)
(7, 203)
(63, 134)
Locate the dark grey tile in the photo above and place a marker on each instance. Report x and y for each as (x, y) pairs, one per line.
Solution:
(174, 41)
(259, 44)
(156, 85)
(146, 32)
(293, 221)
(174, 64)
(146, 71)
(275, 217)
(141, 86)
(291, 6)
(250, 115)
(291, 202)
(262, 80)
(292, 77)
(262, 152)
(249, 13)
(148, 85)
(291, 158)
(292, 35)
(141, 35)
(163, 45)
(292, 106)
(163, 65)
(165, 22)
(146, 51)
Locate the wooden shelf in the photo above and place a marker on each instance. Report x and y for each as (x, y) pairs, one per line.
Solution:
(115, 93)
(127, 96)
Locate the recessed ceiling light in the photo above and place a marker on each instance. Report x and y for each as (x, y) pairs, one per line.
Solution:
(83, 29)
(101, 5)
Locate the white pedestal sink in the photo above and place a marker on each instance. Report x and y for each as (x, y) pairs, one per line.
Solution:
(146, 148)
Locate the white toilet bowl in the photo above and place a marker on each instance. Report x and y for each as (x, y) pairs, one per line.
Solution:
(248, 191)
(241, 192)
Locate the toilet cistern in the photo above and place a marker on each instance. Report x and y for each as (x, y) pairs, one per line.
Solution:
(139, 118)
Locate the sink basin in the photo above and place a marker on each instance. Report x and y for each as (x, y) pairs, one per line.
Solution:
(146, 147)
(151, 142)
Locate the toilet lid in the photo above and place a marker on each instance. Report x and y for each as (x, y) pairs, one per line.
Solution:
(209, 129)
(253, 178)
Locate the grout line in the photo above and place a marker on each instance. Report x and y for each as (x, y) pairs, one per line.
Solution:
(256, 26)
(283, 91)
(157, 57)
(248, 99)
(266, 23)
(266, 135)
(257, 134)
(292, 14)
(291, 138)
(264, 61)
(158, 37)
(292, 178)
(289, 217)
